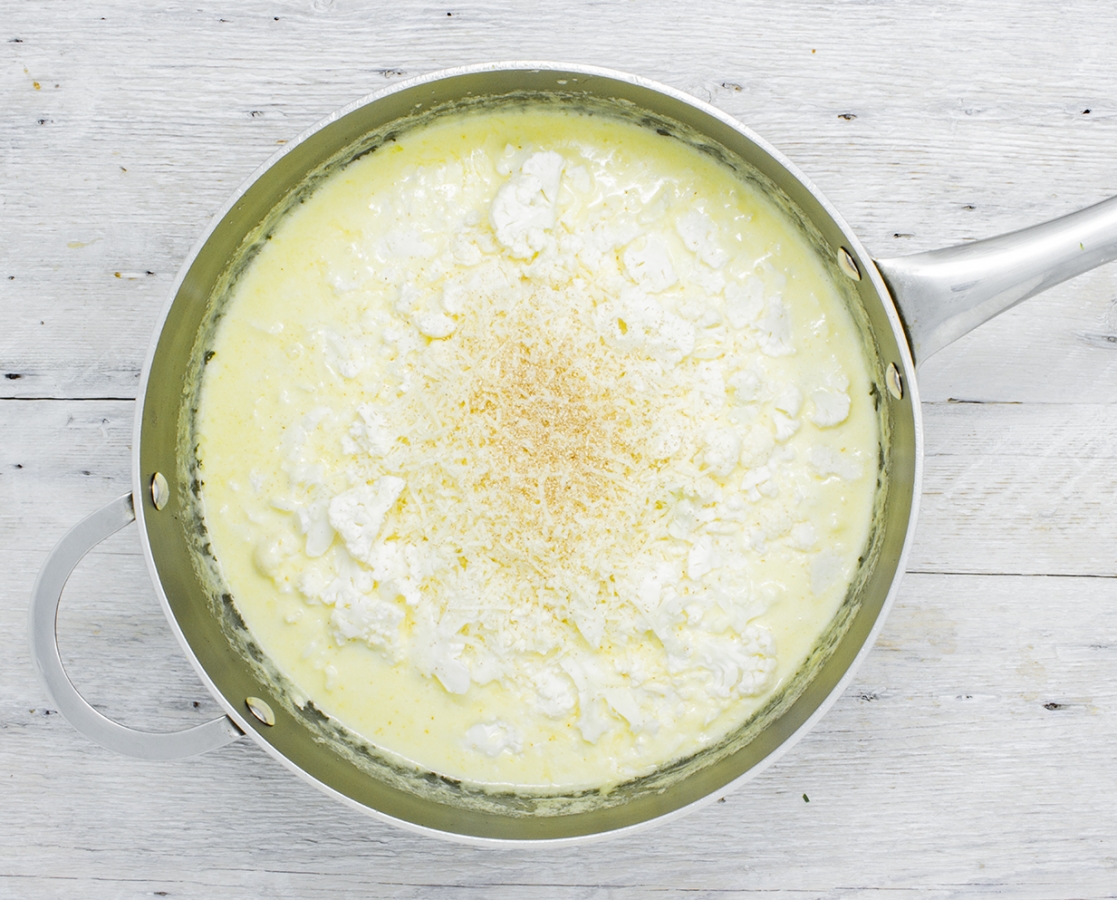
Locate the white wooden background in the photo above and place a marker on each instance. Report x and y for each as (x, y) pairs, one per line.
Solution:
(975, 754)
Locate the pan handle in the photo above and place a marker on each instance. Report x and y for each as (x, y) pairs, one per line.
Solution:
(944, 294)
(45, 596)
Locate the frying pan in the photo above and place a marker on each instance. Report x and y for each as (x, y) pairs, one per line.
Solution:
(907, 308)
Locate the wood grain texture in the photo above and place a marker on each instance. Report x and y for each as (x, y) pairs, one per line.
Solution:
(974, 753)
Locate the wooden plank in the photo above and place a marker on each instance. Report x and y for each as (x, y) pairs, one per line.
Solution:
(972, 753)
(1008, 488)
(926, 162)
(59, 461)
(945, 732)
(1018, 488)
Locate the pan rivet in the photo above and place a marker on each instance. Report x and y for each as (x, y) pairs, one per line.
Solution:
(895, 381)
(260, 710)
(848, 264)
(160, 492)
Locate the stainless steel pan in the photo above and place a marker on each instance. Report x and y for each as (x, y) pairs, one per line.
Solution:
(909, 308)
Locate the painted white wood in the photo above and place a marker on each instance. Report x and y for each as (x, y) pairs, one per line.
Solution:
(974, 753)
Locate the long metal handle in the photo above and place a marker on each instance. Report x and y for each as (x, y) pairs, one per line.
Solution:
(944, 294)
(45, 596)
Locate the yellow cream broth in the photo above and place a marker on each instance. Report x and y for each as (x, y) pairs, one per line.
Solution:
(537, 448)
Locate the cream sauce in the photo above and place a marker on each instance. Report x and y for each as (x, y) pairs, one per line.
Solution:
(537, 449)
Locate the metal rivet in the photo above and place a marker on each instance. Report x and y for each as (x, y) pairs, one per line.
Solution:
(848, 264)
(260, 710)
(160, 492)
(895, 381)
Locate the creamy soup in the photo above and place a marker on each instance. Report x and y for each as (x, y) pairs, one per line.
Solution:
(538, 448)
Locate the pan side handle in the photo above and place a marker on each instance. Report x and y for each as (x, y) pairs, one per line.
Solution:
(944, 294)
(45, 597)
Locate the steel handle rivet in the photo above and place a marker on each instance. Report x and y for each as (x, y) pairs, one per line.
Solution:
(895, 381)
(160, 491)
(260, 710)
(848, 264)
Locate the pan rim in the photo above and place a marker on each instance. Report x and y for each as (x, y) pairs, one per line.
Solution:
(905, 363)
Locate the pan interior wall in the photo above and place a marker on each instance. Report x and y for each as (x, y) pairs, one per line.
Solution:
(318, 745)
